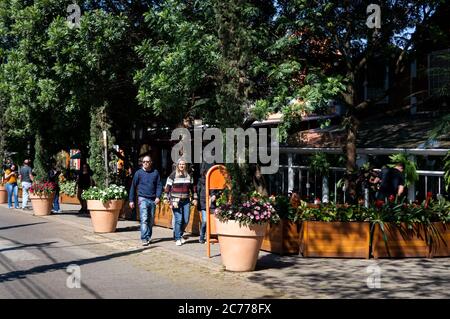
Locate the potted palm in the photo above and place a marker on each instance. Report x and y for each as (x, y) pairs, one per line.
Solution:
(241, 227)
(104, 205)
(41, 196)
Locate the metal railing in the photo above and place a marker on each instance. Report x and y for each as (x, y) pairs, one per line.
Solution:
(309, 184)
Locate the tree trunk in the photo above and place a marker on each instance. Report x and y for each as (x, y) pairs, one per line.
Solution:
(350, 149)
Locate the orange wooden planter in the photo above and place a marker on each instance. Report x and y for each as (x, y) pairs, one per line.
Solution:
(441, 246)
(282, 238)
(401, 241)
(163, 215)
(334, 239)
(3, 195)
(195, 221)
(126, 212)
(66, 199)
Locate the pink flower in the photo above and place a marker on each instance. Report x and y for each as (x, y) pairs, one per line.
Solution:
(257, 217)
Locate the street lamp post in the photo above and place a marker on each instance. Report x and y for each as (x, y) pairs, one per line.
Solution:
(105, 144)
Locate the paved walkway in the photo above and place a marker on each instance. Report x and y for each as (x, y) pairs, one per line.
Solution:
(292, 276)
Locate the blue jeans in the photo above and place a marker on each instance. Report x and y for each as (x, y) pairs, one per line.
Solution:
(25, 189)
(56, 202)
(147, 215)
(181, 215)
(12, 189)
(203, 227)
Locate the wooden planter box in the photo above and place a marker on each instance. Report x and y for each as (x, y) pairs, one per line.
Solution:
(401, 241)
(195, 221)
(282, 238)
(163, 215)
(334, 239)
(3, 195)
(441, 247)
(66, 199)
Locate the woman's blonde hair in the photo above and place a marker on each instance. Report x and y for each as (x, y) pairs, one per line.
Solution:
(177, 170)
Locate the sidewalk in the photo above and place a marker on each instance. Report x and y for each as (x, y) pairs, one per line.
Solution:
(293, 276)
(128, 235)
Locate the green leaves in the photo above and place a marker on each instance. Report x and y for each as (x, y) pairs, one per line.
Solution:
(447, 171)
(68, 188)
(410, 172)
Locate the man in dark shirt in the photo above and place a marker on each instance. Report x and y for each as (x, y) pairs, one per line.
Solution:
(392, 182)
(149, 189)
(26, 177)
(53, 177)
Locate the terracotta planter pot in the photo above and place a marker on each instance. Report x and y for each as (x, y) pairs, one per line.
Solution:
(104, 216)
(239, 246)
(282, 238)
(42, 205)
(401, 241)
(3, 195)
(335, 239)
(66, 199)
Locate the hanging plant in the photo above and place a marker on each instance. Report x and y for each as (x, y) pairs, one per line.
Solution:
(447, 171)
(410, 171)
(319, 164)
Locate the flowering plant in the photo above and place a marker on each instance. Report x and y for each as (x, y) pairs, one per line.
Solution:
(113, 192)
(44, 188)
(253, 209)
(68, 187)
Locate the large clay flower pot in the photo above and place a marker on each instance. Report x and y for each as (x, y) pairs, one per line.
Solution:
(42, 205)
(104, 216)
(3, 195)
(239, 246)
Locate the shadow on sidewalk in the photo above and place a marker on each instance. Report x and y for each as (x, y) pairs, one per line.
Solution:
(22, 225)
(274, 261)
(24, 274)
(127, 229)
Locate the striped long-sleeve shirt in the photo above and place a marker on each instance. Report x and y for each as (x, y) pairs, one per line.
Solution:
(180, 187)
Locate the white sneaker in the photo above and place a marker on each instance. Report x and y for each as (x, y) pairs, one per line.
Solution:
(183, 240)
(178, 243)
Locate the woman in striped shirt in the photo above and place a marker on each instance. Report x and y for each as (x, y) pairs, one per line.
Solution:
(180, 187)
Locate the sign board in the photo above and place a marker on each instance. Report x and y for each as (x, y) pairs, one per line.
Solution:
(216, 179)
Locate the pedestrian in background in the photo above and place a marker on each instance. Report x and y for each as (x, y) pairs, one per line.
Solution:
(11, 185)
(26, 178)
(53, 177)
(84, 181)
